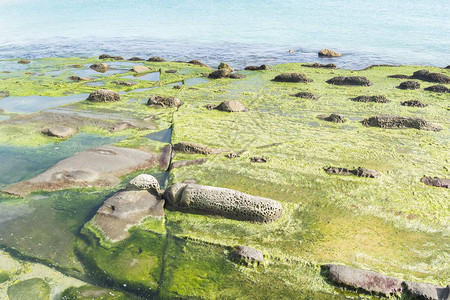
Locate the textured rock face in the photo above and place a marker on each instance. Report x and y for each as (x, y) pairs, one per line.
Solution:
(336, 118)
(100, 67)
(393, 122)
(62, 132)
(409, 85)
(427, 291)
(436, 181)
(100, 167)
(439, 88)
(256, 68)
(425, 75)
(24, 61)
(224, 65)
(104, 96)
(350, 80)
(414, 103)
(188, 147)
(78, 78)
(156, 59)
(231, 106)
(360, 172)
(223, 202)
(317, 65)
(306, 95)
(164, 101)
(292, 77)
(141, 69)
(247, 255)
(237, 76)
(376, 99)
(199, 63)
(107, 56)
(145, 182)
(328, 53)
(221, 73)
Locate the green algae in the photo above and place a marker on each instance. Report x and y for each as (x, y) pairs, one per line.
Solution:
(4, 276)
(35, 288)
(93, 293)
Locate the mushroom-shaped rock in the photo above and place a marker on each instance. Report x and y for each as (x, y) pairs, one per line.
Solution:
(414, 103)
(221, 73)
(100, 67)
(247, 255)
(425, 75)
(145, 182)
(104, 96)
(141, 69)
(376, 99)
(306, 95)
(199, 63)
(156, 59)
(62, 132)
(350, 80)
(256, 68)
(292, 77)
(439, 88)
(328, 53)
(224, 65)
(231, 106)
(164, 101)
(188, 147)
(409, 85)
(24, 61)
(223, 202)
(392, 121)
(78, 78)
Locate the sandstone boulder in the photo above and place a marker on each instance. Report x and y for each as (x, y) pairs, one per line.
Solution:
(141, 69)
(336, 118)
(237, 76)
(122, 126)
(61, 132)
(134, 58)
(145, 182)
(24, 61)
(328, 53)
(224, 65)
(107, 56)
(103, 96)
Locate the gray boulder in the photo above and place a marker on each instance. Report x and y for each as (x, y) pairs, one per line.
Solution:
(104, 96)
(145, 182)
(61, 132)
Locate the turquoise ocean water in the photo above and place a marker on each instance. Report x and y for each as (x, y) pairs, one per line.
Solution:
(239, 32)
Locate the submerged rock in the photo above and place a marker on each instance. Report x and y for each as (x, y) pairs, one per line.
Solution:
(425, 75)
(292, 77)
(256, 68)
(439, 88)
(247, 255)
(100, 167)
(103, 96)
(122, 126)
(164, 101)
(140, 69)
(350, 80)
(317, 65)
(414, 103)
(436, 181)
(100, 67)
(78, 78)
(62, 132)
(24, 61)
(360, 172)
(185, 163)
(107, 56)
(336, 118)
(376, 99)
(328, 53)
(223, 202)
(224, 65)
(221, 73)
(409, 85)
(306, 95)
(231, 106)
(156, 59)
(199, 63)
(392, 121)
(188, 147)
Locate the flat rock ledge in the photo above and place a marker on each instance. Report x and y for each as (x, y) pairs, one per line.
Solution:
(140, 69)
(292, 77)
(78, 78)
(194, 148)
(350, 80)
(245, 255)
(360, 172)
(436, 181)
(398, 122)
(104, 96)
(61, 132)
(317, 65)
(373, 282)
(128, 207)
(99, 167)
(222, 202)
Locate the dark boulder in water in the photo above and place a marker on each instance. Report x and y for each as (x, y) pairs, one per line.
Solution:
(156, 59)
(360, 172)
(436, 181)
(306, 95)
(221, 73)
(24, 61)
(104, 96)
(224, 65)
(292, 77)
(376, 99)
(134, 58)
(399, 122)
(414, 103)
(351, 80)
(439, 88)
(107, 56)
(409, 85)
(425, 75)
(246, 255)
(100, 67)
(256, 68)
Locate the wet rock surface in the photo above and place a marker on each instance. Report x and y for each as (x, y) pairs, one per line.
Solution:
(439, 88)
(409, 85)
(399, 122)
(425, 75)
(336, 118)
(124, 83)
(164, 101)
(24, 61)
(224, 65)
(199, 63)
(104, 96)
(237, 76)
(122, 126)
(436, 181)
(185, 163)
(414, 103)
(306, 95)
(292, 77)
(107, 56)
(231, 106)
(100, 167)
(247, 255)
(375, 99)
(61, 132)
(188, 147)
(156, 59)
(134, 58)
(350, 80)
(4, 94)
(329, 53)
(221, 73)
(317, 65)
(256, 68)
(360, 172)
(141, 69)
(223, 202)
(78, 78)
(261, 159)
(100, 67)
(34, 288)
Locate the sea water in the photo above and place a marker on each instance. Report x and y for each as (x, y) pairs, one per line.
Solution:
(239, 32)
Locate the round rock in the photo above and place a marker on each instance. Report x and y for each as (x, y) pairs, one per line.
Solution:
(245, 254)
(224, 65)
(329, 53)
(100, 67)
(104, 96)
(231, 106)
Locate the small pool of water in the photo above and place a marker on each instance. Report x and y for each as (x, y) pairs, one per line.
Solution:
(163, 136)
(95, 83)
(32, 104)
(154, 76)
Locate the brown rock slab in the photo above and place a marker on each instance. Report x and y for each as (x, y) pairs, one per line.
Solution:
(140, 69)
(107, 56)
(317, 65)
(329, 53)
(436, 181)
(134, 58)
(78, 78)
(292, 77)
(399, 122)
(104, 96)
(306, 95)
(199, 63)
(61, 132)
(24, 61)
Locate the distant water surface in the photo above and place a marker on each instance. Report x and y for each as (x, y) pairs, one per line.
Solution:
(239, 32)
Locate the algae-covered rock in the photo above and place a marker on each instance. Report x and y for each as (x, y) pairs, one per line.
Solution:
(89, 292)
(221, 73)
(399, 122)
(4, 94)
(292, 77)
(4, 276)
(224, 65)
(350, 80)
(256, 68)
(414, 103)
(103, 96)
(439, 88)
(409, 85)
(199, 63)
(360, 172)
(140, 69)
(156, 59)
(107, 56)
(134, 58)
(61, 132)
(35, 289)
(189, 147)
(247, 255)
(24, 61)
(124, 83)
(375, 99)
(237, 76)
(436, 181)
(164, 101)
(100, 67)
(336, 118)
(306, 95)
(329, 53)
(425, 75)
(231, 106)
(317, 65)
(223, 202)
(78, 78)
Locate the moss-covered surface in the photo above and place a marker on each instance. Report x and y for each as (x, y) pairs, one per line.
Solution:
(393, 224)
(35, 288)
(93, 293)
